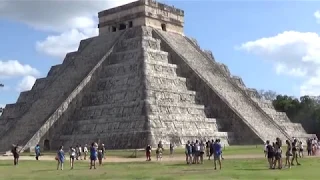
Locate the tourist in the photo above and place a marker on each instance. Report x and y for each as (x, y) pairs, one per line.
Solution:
(15, 154)
(171, 149)
(300, 149)
(159, 153)
(101, 151)
(80, 152)
(294, 152)
(72, 153)
(221, 147)
(265, 149)
(288, 154)
(270, 154)
(37, 151)
(85, 151)
(60, 158)
(193, 147)
(277, 156)
(197, 153)
(309, 147)
(208, 149)
(211, 148)
(148, 152)
(77, 152)
(188, 150)
(217, 154)
(93, 155)
(279, 144)
(202, 149)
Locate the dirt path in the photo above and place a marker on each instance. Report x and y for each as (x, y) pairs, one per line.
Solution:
(122, 159)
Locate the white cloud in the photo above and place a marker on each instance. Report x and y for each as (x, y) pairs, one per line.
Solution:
(66, 42)
(74, 20)
(2, 105)
(317, 16)
(26, 83)
(13, 68)
(294, 54)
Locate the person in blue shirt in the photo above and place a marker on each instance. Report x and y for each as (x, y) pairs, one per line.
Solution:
(217, 154)
(93, 155)
(60, 158)
(37, 151)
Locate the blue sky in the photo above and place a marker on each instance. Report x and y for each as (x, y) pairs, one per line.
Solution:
(286, 60)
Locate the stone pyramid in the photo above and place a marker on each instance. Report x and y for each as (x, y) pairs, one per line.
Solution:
(139, 82)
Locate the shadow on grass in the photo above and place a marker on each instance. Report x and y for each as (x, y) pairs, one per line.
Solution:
(254, 169)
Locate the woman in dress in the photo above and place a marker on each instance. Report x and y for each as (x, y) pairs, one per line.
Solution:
(60, 158)
(93, 155)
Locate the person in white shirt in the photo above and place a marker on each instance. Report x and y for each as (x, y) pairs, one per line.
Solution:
(72, 153)
(300, 149)
(80, 152)
(85, 150)
(202, 149)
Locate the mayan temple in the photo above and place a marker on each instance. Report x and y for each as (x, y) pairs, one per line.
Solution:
(141, 80)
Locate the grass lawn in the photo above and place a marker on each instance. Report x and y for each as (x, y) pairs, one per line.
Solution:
(229, 150)
(232, 169)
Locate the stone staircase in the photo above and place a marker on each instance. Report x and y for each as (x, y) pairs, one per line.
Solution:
(245, 108)
(47, 95)
(139, 99)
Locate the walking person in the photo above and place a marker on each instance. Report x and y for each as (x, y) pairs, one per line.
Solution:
(60, 158)
(270, 154)
(85, 151)
(72, 153)
(217, 154)
(37, 151)
(93, 155)
(148, 152)
(202, 149)
(188, 151)
(15, 154)
(301, 149)
(288, 154)
(208, 149)
(277, 156)
(101, 151)
(294, 152)
(80, 152)
(171, 149)
(159, 153)
(309, 147)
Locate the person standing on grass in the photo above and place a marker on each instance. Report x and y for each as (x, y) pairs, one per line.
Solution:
(148, 152)
(159, 153)
(309, 147)
(300, 149)
(80, 152)
(208, 149)
(294, 152)
(202, 149)
(217, 154)
(60, 158)
(85, 151)
(270, 154)
(72, 153)
(15, 154)
(171, 149)
(93, 155)
(277, 156)
(288, 154)
(101, 155)
(211, 148)
(37, 151)
(188, 150)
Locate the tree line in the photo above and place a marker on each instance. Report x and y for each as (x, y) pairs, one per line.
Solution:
(304, 110)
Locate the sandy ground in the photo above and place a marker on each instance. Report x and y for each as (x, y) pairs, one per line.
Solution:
(122, 159)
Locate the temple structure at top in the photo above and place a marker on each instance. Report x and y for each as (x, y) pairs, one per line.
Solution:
(141, 13)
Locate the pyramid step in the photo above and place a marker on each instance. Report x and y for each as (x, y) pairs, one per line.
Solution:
(179, 108)
(137, 42)
(108, 97)
(163, 82)
(154, 67)
(54, 70)
(181, 117)
(158, 96)
(115, 109)
(122, 81)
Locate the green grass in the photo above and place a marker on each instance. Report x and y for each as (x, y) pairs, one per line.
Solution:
(229, 150)
(232, 169)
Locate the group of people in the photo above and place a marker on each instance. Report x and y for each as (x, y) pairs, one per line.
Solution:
(294, 151)
(194, 151)
(96, 152)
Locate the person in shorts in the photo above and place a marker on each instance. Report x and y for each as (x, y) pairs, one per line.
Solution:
(277, 156)
(60, 158)
(159, 151)
(294, 152)
(288, 154)
(15, 153)
(188, 151)
(270, 154)
(202, 149)
(72, 153)
(93, 155)
(301, 149)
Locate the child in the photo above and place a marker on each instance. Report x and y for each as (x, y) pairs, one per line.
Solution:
(60, 158)
(72, 153)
